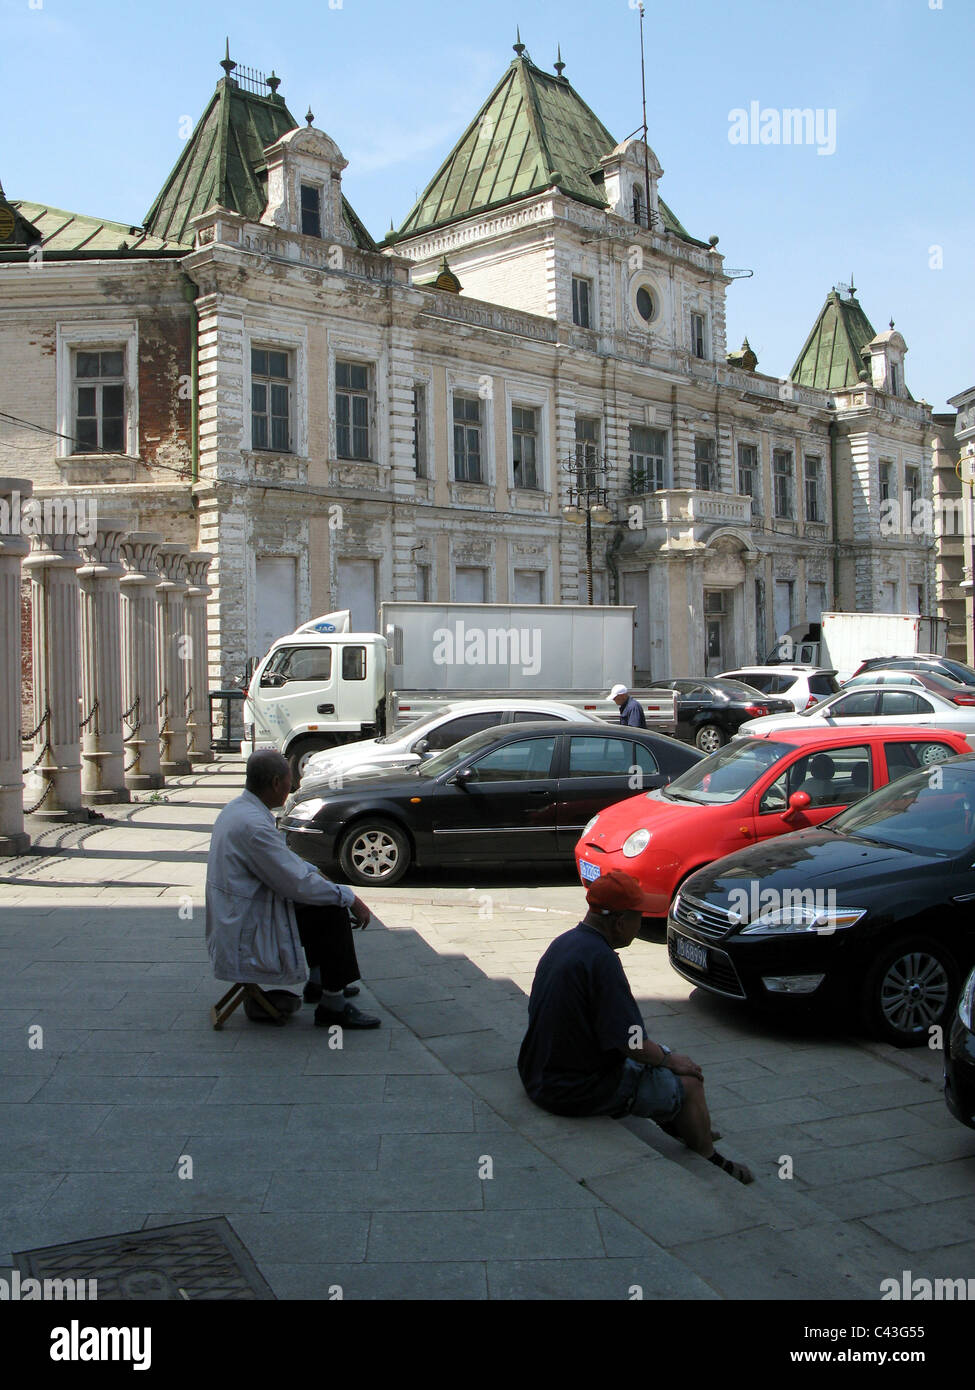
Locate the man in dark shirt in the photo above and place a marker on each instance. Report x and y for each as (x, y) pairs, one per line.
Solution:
(586, 1051)
(631, 711)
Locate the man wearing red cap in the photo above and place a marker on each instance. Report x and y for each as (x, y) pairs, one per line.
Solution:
(586, 1051)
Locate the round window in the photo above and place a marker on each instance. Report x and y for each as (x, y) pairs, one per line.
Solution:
(644, 304)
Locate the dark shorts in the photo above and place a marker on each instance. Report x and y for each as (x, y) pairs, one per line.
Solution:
(654, 1093)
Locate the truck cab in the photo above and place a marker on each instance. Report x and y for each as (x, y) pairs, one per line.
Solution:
(315, 690)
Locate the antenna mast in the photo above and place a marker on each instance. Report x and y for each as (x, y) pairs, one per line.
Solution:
(646, 156)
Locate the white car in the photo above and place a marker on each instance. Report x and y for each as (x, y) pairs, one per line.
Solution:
(804, 686)
(430, 734)
(876, 704)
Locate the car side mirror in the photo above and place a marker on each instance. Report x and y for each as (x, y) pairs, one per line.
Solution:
(465, 775)
(798, 802)
(422, 747)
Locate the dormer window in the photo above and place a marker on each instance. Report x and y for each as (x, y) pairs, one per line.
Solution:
(311, 209)
(639, 210)
(894, 383)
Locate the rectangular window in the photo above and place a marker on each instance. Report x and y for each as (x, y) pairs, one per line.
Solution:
(704, 465)
(467, 439)
(524, 446)
(912, 486)
(783, 478)
(814, 489)
(270, 400)
(353, 405)
(648, 459)
(587, 452)
(311, 209)
(420, 429)
(893, 379)
(698, 336)
(99, 397)
(353, 663)
(581, 302)
(749, 478)
(886, 480)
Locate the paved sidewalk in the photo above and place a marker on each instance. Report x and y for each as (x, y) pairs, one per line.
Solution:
(410, 1164)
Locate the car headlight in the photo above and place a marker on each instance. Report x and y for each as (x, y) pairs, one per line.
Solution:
(636, 843)
(966, 1004)
(590, 825)
(306, 810)
(799, 919)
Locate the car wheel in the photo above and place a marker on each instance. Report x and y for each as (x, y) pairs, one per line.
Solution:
(710, 738)
(375, 852)
(909, 990)
(933, 753)
(299, 754)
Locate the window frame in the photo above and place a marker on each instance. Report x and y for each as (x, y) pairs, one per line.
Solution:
(421, 430)
(470, 397)
(645, 465)
(709, 460)
(101, 335)
(586, 282)
(535, 435)
(755, 493)
(319, 191)
(270, 382)
(354, 393)
(786, 477)
(699, 344)
(813, 494)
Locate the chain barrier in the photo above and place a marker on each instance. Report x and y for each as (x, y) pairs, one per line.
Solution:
(91, 714)
(45, 720)
(29, 810)
(133, 728)
(29, 738)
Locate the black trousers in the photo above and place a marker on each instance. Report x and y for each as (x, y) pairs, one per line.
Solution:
(326, 935)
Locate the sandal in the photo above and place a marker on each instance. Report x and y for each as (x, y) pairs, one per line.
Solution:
(728, 1165)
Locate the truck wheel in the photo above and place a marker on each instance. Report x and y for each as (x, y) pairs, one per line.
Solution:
(910, 989)
(374, 853)
(299, 753)
(710, 738)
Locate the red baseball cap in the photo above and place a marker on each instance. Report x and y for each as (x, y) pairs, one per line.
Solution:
(618, 892)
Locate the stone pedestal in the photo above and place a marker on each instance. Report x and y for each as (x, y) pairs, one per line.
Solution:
(54, 784)
(102, 743)
(174, 648)
(140, 694)
(198, 722)
(13, 547)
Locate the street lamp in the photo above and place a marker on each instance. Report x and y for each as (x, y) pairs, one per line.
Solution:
(588, 497)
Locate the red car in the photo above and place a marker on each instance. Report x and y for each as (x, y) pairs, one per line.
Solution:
(751, 790)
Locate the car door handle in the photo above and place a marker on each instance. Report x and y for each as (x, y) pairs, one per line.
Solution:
(539, 791)
(326, 709)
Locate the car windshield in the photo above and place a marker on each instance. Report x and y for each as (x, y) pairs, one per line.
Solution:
(411, 727)
(727, 774)
(452, 757)
(958, 670)
(929, 812)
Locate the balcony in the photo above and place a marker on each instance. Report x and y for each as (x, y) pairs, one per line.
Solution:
(688, 507)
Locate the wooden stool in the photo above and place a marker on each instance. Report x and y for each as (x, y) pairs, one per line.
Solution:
(235, 995)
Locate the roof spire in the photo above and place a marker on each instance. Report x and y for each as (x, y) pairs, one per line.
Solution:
(559, 65)
(892, 323)
(519, 47)
(227, 62)
(309, 115)
(274, 82)
(853, 288)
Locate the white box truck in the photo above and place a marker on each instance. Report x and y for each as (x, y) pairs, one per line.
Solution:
(840, 641)
(323, 685)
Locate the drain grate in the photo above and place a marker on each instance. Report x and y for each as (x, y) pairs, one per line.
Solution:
(193, 1260)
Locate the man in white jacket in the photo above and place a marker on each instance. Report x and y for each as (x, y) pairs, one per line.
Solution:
(255, 883)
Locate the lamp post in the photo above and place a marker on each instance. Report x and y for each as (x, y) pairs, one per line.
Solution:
(588, 497)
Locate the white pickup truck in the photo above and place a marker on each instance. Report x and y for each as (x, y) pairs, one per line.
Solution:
(323, 685)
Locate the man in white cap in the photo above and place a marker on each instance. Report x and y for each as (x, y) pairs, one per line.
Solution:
(631, 711)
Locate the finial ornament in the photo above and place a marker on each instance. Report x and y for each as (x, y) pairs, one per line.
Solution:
(309, 115)
(226, 62)
(274, 82)
(560, 66)
(519, 47)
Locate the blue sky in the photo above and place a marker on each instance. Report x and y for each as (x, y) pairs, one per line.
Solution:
(95, 91)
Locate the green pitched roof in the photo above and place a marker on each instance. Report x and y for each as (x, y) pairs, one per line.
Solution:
(832, 358)
(533, 132)
(70, 235)
(224, 164)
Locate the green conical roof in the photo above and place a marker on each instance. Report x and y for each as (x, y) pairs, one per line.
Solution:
(832, 358)
(224, 164)
(533, 132)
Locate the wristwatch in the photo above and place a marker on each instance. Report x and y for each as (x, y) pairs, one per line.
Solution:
(664, 1049)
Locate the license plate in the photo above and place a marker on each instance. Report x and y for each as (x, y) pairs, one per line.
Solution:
(694, 955)
(588, 872)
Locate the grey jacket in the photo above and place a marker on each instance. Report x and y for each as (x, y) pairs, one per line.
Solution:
(252, 881)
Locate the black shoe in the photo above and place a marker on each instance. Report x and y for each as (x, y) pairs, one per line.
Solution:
(351, 991)
(349, 1017)
(312, 992)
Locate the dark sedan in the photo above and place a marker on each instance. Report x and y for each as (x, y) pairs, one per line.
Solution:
(873, 910)
(710, 712)
(960, 1058)
(941, 667)
(520, 793)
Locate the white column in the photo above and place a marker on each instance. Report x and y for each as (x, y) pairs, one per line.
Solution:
(198, 723)
(173, 660)
(13, 548)
(140, 695)
(102, 746)
(54, 784)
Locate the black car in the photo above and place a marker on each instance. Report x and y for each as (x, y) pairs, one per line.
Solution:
(710, 712)
(520, 793)
(927, 663)
(960, 1058)
(871, 910)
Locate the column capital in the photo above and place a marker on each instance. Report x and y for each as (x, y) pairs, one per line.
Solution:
(171, 564)
(53, 550)
(138, 552)
(13, 491)
(197, 566)
(102, 554)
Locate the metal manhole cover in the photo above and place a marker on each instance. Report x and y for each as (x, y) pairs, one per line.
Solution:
(194, 1260)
